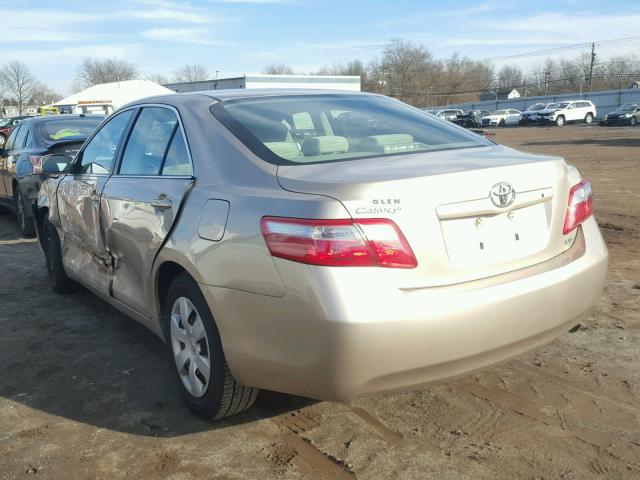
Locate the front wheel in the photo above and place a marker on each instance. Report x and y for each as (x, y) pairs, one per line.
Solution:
(560, 121)
(588, 119)
(26, 225)
(58, 279)
(502, 123)
(203, 376)
(3, 140)
(633, 121)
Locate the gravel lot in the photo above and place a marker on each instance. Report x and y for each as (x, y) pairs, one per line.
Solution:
(86, 393)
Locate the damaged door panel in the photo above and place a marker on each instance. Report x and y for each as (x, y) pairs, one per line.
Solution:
(141, 202)
(137, 215)
(84, 252)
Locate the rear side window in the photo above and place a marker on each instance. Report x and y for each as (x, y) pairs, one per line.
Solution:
(12, 138)
(20, 137)
(177, 161)
(149, 141)
(327, 128)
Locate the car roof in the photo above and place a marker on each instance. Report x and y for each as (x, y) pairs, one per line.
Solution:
(48, 118)
(233, 94)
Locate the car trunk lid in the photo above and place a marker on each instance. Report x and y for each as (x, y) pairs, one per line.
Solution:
(454, 207)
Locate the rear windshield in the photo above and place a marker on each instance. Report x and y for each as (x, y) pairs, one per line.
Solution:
(327, 128)
(67, 128)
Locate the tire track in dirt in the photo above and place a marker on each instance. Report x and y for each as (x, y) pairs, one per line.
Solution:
(625, 451)
(325, 466)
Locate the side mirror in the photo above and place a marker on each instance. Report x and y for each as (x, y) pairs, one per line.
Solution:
(56, 164)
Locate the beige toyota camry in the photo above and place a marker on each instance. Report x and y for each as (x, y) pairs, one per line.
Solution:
(324, 244)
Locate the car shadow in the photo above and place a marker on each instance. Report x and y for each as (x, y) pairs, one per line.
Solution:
(76, 357)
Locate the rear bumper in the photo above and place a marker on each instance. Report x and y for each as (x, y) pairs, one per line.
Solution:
(336, 338)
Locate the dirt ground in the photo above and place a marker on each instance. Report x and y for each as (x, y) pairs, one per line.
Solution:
(86, 393)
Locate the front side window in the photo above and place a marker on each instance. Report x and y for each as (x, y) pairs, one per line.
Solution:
(100, 152)
(148, 142)
(336, 128)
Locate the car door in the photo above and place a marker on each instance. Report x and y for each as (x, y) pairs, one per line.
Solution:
(573, 112)
(142, 200)
(13, 148)
(513, 117)
(84, 253)
(5, 165)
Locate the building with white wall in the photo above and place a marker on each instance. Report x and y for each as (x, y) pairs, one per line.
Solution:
(264, 80)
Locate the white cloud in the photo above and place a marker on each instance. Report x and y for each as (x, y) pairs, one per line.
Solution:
(182, 35)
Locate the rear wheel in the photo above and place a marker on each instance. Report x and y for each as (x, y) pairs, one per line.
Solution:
(633, 121)
(588, 119)
(560, 121)
(58, 279)
(26, 224)
(3, 140)
(201, 371)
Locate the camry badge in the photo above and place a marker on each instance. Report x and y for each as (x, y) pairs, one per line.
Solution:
(502, 194)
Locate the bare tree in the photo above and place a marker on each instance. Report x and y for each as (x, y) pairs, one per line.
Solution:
(278, 69)
(191, 73)
(402, 68)
(159, 78)
(43, 95)
(95, 71)
(509, 77)
(19, 83)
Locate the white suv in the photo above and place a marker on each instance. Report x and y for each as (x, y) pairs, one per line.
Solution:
(569, 111)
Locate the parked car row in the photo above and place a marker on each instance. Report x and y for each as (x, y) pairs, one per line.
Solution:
(559, 113)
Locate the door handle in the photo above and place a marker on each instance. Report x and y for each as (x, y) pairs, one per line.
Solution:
(161, 202)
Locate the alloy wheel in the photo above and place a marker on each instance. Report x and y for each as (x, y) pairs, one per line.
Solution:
(190, 347)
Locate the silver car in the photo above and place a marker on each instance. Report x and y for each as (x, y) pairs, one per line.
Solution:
(330, 245)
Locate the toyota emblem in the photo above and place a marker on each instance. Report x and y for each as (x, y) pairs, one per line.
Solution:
(502, 194)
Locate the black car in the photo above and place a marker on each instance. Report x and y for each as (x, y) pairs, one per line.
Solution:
(21, 158)
(471, 118)
(628, 114)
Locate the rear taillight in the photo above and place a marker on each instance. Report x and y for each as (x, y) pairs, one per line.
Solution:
(36, 164)
(338, 243)
(580, 206)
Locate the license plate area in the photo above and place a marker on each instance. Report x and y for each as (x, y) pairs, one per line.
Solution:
(489, 240)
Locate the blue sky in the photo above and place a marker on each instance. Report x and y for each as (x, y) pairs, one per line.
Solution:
(242, 36)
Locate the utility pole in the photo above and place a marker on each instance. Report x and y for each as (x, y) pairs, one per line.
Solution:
(546, 82)
(593, 61)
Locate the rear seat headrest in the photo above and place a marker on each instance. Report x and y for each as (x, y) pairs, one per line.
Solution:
(286, 150)
(324, 145)
(376, 142)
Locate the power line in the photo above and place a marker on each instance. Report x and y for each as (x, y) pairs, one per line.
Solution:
(560, 49)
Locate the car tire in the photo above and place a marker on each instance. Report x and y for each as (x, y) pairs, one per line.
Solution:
(588, 119)
(3, 140)
(27, 228)
(633, 121)
(502, 123)
(560, 121)
(58, 279)
(194, 345)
